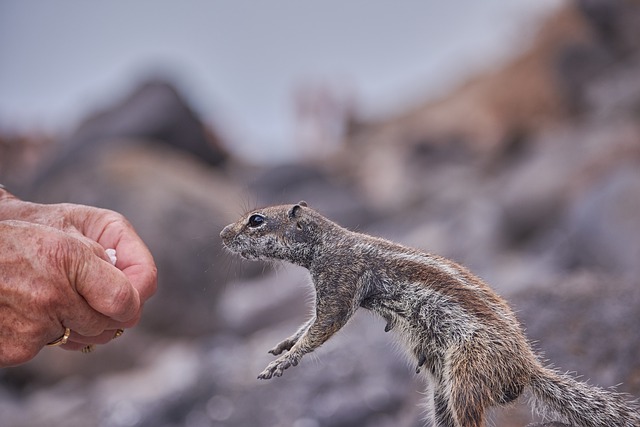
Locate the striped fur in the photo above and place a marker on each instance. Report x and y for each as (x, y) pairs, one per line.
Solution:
(463, 337)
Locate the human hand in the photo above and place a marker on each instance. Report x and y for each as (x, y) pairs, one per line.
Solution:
(95, 230)
(44, 273)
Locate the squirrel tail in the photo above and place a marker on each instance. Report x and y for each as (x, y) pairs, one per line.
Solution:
(580, 404)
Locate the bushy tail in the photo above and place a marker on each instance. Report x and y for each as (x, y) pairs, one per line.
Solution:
(580, 404)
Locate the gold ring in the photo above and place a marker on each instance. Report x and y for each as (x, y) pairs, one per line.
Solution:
(62, 340)
(118, 333)
(88, 349)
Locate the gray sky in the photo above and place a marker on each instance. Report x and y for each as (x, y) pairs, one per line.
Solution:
(239, 61)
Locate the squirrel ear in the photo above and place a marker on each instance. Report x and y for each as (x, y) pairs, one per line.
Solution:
(294, 212)
(303, 203)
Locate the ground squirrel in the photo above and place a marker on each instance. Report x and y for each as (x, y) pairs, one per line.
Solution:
(463, 336)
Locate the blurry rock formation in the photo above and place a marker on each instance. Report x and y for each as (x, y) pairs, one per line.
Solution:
(528, 174)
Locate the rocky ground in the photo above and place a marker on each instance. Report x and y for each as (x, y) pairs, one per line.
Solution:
(529, 175)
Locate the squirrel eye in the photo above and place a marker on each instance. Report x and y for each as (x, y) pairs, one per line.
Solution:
(256, 220)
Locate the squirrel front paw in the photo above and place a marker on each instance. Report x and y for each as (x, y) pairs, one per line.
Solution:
(277, 367)
(282, 346)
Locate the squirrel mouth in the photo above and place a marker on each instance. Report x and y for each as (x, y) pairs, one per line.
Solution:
(229, 246)
(247, 255)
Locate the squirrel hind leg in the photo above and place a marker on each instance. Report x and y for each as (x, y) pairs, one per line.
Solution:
(469, 415)
(456, 409)
(467, 408)
(443, 416)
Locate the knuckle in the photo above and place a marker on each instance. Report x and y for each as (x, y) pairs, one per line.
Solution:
(114, 218)
(65, 252)
(17, 355)
(122, 303)
(58, 250)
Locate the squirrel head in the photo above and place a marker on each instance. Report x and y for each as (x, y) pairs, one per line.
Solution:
(284, 232)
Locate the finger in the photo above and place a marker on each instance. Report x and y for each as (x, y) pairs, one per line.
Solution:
(107, 290)
(135, 261)
(142, 278)
(87, 325)
(79, 342)
(102, 338)
(85, 321)
(73, 346)
(112, 230)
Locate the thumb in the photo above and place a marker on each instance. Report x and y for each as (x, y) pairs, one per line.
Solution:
(107, 290)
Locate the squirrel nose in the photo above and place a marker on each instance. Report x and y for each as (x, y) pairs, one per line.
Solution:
(226, 233)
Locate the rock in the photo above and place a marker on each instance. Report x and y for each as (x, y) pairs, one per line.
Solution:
(604, 224)
(586, 323)
(154, 111)
(616, 23)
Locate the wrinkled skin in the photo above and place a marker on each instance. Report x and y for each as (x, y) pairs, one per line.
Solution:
(54, 274)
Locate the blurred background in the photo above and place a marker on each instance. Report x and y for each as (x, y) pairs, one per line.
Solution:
(505, 135)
